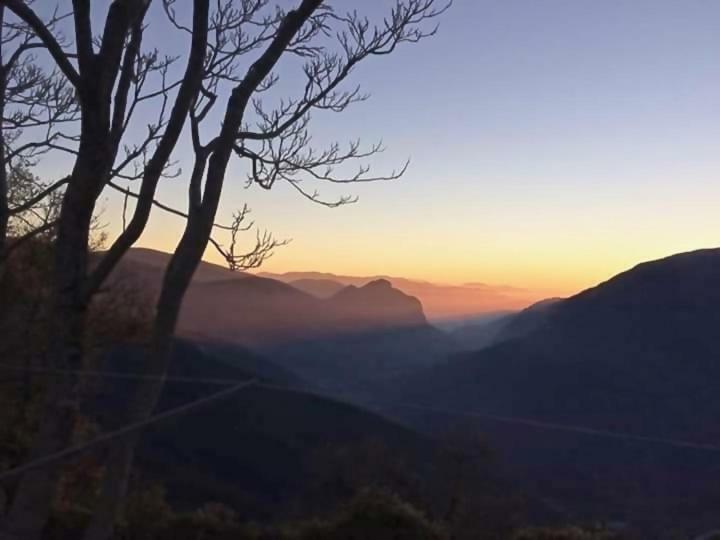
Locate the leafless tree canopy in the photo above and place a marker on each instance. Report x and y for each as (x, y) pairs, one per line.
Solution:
(36, 104)
(100, 101)
(42, 113)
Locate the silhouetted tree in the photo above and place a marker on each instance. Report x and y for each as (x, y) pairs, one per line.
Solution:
(34, 106)
(563, 533)
(105, 80)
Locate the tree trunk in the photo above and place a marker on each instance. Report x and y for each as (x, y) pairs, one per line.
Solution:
(183, 264)
(178, 275)
(96, 153)
(32, 502)
(4, 202)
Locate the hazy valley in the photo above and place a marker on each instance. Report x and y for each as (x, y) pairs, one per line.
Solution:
(576, 396)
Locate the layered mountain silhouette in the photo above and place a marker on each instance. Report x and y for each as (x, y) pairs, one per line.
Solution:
(640, 343)
(257, 311)
(637, 355)
(440, 302)
(251, 310)
(322, 288)
(356, 333)
(377, 303)
(149, 264)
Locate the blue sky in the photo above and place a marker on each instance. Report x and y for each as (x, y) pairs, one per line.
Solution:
(553, 143)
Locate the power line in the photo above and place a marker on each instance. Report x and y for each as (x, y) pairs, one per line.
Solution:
(72, 451)
(528, 422)
(120, 375)
(583, 430)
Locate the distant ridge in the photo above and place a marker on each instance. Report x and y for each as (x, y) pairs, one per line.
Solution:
(353, 335)
(322, 288)
(158, 260)
(251, 310)
(439, 301)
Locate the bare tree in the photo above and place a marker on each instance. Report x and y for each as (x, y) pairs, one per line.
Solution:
(34, 107)
(112, 76)
(278, 149)
(102, 77)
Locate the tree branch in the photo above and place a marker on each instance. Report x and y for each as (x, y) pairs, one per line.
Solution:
(187, 94)
(24, 12)
(83, 34)
(27, 205)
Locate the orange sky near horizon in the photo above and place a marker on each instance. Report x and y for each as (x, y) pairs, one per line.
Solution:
(543, 269)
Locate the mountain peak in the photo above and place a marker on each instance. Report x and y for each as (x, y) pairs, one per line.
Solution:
(379, 303)
(683, 279)
(381, 283)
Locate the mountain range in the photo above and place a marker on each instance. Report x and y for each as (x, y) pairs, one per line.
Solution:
(637, 356)
(356, 334)
(252, 310)
(644, 340)
(440, 302)
(603, 405)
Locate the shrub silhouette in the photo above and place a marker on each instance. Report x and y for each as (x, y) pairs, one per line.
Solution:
(373, 515)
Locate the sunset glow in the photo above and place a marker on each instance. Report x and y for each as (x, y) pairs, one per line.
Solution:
(330, 269)
(552, 146)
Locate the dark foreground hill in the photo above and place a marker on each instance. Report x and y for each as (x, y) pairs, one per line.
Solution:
(638, 354)
(269, 452)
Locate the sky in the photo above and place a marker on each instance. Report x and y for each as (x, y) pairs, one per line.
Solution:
(553, 143)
